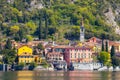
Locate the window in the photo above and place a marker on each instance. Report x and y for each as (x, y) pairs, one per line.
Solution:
(84, 55)
(71, 55)
(89, 55)
(21, 56)
(26, 61)
(75, 55)
(78, 55)
(81, 55)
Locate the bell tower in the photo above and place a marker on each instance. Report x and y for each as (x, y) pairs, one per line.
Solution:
(82, 32)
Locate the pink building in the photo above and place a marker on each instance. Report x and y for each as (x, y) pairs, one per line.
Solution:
(78, 54)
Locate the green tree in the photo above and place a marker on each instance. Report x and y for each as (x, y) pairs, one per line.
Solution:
(21, 34)
(33, 64)
(14, 29)
(17, 37)
(31, 27)
(8, 44)
(21, 64)
(104, 57)
(106, 44)
(40, 46)
(73, 33)
(114, 58)
(115, 61)
(46, 25)
(9, 56)
(103, 45)
(40, 27)
(29, 38)
(112, 53)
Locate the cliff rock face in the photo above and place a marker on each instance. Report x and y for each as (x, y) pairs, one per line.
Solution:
(110, 19)
(36, 4)
(113, 14)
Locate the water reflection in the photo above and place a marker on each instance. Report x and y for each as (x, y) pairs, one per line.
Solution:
(72, 75)
(25, 75)
(59, 75)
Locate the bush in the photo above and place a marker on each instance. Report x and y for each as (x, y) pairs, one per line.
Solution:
(32, 65)
(20, 66)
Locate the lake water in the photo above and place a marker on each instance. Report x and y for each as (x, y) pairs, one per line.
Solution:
(59, 75)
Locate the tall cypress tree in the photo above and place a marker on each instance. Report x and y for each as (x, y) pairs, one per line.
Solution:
(24, 18)
(40, 27)
(103, 45)
(21, 34)
(114, 59)
(112, 53)
(106, 46)
(8, 44)
(46, 25)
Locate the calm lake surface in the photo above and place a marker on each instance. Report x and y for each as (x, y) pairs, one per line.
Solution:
(59, 75)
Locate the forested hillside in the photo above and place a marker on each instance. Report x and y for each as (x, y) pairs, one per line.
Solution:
(56, 19)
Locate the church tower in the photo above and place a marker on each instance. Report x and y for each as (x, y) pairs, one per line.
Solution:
(82, 32)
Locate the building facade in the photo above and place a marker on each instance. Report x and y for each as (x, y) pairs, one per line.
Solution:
(25, 55)
(56, 53)
(55, 56)
(78, 55)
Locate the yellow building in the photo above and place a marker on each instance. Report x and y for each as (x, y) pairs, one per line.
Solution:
(25, 55)
(38, 59)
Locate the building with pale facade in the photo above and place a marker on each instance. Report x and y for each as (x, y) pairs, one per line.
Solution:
(78, 54)
(55, 56)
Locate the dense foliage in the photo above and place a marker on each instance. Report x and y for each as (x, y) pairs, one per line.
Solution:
(115, 59)
(58, 19)
(104, 58)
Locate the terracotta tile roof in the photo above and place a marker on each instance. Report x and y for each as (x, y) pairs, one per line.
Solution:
(25, 55)
(79, 48)
(34, 43)
(114, 43)
(55, 53)
(61, 46)
(95, 39)
(23, 45)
